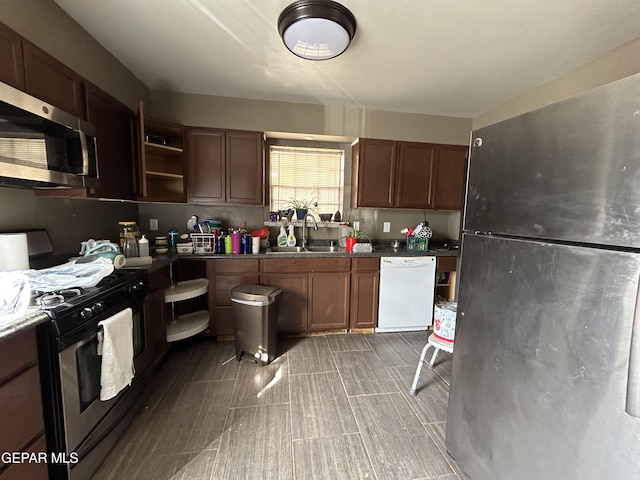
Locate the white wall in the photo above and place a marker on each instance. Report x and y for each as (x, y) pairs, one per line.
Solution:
(617, 64)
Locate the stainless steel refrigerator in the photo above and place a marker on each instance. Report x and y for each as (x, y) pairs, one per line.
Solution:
(546, 364)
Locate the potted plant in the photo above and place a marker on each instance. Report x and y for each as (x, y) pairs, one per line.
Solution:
(302, 207)
(354, 237)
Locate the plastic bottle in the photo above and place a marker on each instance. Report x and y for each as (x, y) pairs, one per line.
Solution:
(143, 246)
(291, 238)
(282, 238)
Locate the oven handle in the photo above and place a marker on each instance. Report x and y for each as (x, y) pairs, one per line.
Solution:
(91, 327)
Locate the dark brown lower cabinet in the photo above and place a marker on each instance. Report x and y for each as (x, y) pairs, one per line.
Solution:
(292, 306)
(156, 313)
(21, 414)
(315, 292)
(328, 301)
(365, 283)
(223, 275)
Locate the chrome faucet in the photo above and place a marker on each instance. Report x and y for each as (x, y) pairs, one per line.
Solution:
(303, 242)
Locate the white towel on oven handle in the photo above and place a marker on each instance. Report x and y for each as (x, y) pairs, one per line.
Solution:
(115, 344)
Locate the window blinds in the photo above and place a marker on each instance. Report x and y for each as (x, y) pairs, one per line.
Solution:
(304, 173)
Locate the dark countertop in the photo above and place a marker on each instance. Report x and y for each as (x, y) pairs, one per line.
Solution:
(379, 251)
(30, 320)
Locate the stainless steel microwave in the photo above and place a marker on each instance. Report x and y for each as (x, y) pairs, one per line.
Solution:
(42, 145)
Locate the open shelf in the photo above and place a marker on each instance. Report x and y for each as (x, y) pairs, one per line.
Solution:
(186, 290)
(187, 325)
(298, 223)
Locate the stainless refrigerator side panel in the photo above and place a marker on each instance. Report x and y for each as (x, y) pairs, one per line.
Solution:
(569, 171)
(540, 364)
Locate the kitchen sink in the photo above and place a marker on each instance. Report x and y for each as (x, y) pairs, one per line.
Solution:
(323, 248)
(307, 250)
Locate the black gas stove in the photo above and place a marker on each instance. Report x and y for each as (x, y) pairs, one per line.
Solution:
(71, 307)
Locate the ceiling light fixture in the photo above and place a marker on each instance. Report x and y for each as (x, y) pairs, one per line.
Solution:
(316, 29)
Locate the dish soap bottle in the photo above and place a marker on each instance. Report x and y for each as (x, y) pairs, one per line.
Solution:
(282, 238)
(291, 239)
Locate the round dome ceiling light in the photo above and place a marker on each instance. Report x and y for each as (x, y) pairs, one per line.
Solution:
(316, 29)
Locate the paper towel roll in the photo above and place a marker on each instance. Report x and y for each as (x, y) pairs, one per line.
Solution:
(14, 252)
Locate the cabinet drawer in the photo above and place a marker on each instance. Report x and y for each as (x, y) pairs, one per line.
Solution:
(236, 265)
(17, 354)
(446, 264)
(21, 412)
(307, 265)
(32, 471)
(371, 264)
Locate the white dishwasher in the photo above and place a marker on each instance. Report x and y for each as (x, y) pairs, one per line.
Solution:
(406, 293)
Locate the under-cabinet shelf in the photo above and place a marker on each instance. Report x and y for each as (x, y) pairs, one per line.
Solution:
(187, 325)
(186, 290)
(298, 223)
(164, 147)
(164, 174)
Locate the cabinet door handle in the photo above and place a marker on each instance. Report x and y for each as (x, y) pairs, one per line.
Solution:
(633, 379)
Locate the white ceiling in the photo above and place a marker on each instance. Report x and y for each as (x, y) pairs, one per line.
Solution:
(446, 57)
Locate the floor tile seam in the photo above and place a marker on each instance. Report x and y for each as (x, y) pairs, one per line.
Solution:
(443, 379)
(442, 449)
(291, 444)
(220, 463)
(403, 397)
(210, 381)
(439, 379)
(369, 454)
(373, 393)
(312, 373)
(334, 435)
(350, 350)
(268, 404)
(329, 435)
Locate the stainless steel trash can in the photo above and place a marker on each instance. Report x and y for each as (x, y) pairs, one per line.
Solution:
(255, 321)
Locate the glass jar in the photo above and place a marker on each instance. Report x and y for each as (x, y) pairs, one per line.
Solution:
(128, 229)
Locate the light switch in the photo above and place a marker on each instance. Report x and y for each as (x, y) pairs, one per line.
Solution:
(153, 224)
(356, 225)
(386, 227)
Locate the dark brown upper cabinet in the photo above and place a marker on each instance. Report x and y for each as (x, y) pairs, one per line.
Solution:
(394, 174)
(49, 80)
(12, 71)
(115, 136)
(414, 173)
(225, 166)
(390, 174)
(450, 171)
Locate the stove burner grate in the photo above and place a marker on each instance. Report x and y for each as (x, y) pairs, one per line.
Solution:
(47, 300)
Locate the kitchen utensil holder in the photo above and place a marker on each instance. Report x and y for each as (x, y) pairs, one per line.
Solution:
(417, 243)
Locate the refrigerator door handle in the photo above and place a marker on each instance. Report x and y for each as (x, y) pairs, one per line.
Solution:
(633, 379)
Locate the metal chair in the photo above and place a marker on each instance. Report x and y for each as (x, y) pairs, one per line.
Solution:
(437, 345)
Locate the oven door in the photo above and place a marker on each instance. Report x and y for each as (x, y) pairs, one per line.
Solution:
(80, 368)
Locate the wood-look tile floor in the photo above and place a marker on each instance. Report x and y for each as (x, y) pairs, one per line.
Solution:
(329, 407)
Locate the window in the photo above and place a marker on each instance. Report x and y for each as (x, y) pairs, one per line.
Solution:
(304, 173)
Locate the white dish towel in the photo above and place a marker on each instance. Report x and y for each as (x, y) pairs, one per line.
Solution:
(115, 344)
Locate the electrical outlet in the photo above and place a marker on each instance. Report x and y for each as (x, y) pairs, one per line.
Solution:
(153, 224)
(356, 225)
(386, 227)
